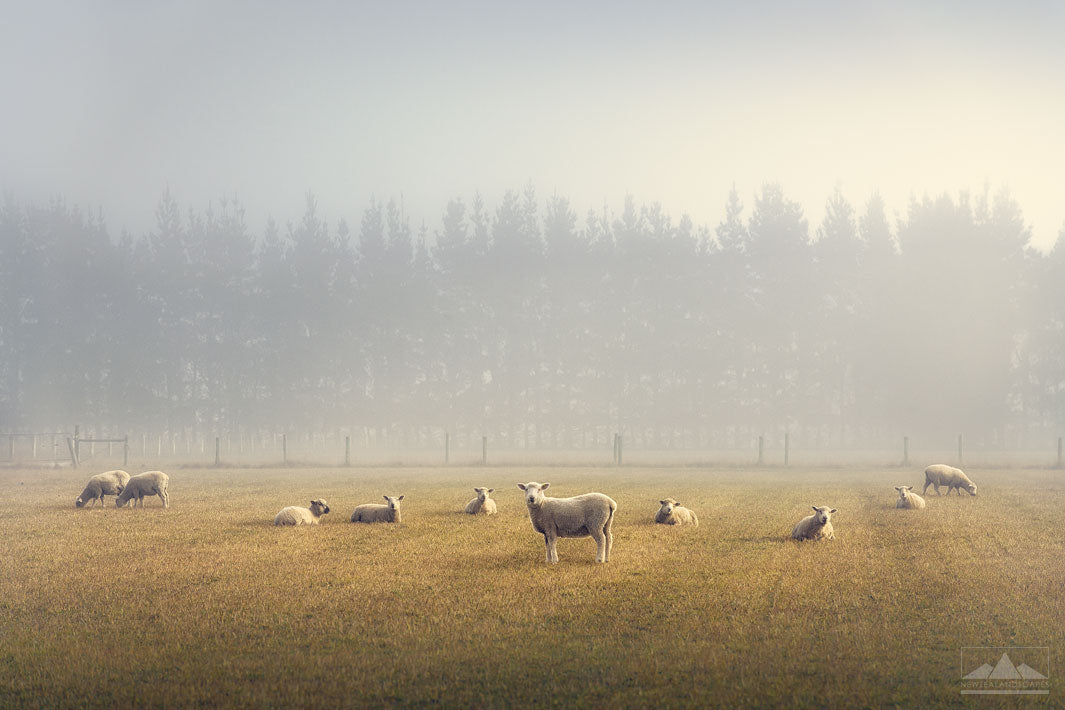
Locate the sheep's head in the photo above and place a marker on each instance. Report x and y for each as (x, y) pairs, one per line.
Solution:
(902, 490)
(668, 505)
(534, 493)
(822, 514)
(319, 507)
(78, 502)
(393, 503)
(482, 493)
(970, 487)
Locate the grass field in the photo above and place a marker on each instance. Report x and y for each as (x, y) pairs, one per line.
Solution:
(207, 604)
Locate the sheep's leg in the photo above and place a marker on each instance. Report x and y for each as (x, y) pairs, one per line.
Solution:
(609, 535)
(600, 545)
(552, 553)
(164, 497)
(924, 491)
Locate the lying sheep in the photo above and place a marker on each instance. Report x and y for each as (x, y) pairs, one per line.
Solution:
(109, 483)
(378, 512)
(940, 474)
(482, 503)
(909, 499)
(817, 526)
(673, 513)
(586, 515)
(151, 483)
(295, 515)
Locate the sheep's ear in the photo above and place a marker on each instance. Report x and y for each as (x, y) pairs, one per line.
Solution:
(909, 488)
(832, 511)
(400, 498)
(815, 507)
(385, 497)
(661, 502)
(521, 486)
(544, 486)
(491, 489)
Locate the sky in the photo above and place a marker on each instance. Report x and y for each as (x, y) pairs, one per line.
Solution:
(110, 104)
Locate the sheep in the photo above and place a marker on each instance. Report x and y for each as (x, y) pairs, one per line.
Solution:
(673, 513)
(939, 474)
(909, 499)
(817, 526)
(145, 484)
(588, 515)
(295, 515)
(378, 512)
(482, 503)
(109, 483)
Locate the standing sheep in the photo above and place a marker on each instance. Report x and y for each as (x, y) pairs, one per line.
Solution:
(109, 483)
(909, 499)
(588, 515)
(482, 503)
(673, 513)
(378, 512)
(150, 483)
(817, 526)
(295, 515)
(939, 474)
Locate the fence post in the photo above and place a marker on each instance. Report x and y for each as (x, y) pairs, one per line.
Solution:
(1059, 452)
(11, 448)
(347, 450)
(284, 449)
(77, 446)
(73, 452)
(447, 447)
(217, 450)
(125, 451)
(761, 450)
(787, 447)
(905, 451)
(959, 449)
(615, 453)
(484, 450)
(621, 448)
(34, 447)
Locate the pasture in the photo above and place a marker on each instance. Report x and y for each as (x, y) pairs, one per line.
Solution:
(208, 604)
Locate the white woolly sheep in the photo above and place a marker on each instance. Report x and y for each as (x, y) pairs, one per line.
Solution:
(109, 483)
(150, 483)
(482, 503)
(295, 515)
(940, 474)
(378, 512)
(588, 515)
(817, 526)
(673, 513)
(909, 499)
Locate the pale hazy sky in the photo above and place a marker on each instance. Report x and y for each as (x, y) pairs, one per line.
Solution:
(109, 103)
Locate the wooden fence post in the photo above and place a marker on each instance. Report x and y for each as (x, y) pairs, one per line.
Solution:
(217, 450)
(73, 452)
(284, 449)
(1059, 453)
(484, 450)
(347, 450)
(761, 450)
(905, 451)
(620, 450)
(787, 447)
(125, 451)
(447, 447)
(959, 449)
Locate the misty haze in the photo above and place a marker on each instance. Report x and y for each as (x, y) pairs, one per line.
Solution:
(763, 305)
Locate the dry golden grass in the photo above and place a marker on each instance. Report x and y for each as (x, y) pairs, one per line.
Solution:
(208, 604)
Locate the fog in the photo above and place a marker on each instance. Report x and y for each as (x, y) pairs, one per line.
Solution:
(695, 223)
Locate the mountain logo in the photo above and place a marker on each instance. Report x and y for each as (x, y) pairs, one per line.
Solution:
(998, 674)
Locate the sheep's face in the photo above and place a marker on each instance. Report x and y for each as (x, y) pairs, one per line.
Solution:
(393, 503)
(971, 487)
(822, 514)
(668, 505)
(78, 502)
(902, 491)
(534, 493)
(482, 493)
(321, 505)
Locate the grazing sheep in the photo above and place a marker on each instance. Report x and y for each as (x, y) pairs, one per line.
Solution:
(295, 515)
(588, 515)
(673, 513)
(817, 526)
(109, 483)
(909, 499)
(942, 475)
(482, 503)
(378, 512)
(150, 483)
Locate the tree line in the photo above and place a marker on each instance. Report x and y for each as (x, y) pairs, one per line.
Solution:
(534, 323)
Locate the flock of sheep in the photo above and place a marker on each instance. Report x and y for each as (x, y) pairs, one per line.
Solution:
(588, 515)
